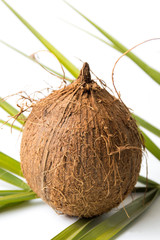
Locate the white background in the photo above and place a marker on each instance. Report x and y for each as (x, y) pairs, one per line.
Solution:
(131, 22)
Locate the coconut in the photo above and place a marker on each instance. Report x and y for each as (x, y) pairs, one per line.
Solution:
(81, 149)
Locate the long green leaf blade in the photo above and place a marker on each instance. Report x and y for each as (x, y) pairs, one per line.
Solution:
(19, 197)
(32, 59)
(142, 189)
(4, 123)
(113, 225)
(10, 164)
(92, 228)
(10, 178)
(63, 60)
(12, 111)
(148, 182)
(70, 232)
(94, 36)
(79, 228)
(147, 125)
(151, 146)
(155, 75)
(10, 192)
(7, 206)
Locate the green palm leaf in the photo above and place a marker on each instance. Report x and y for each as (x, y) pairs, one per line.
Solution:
(63, 60)
(10, 164)
(151, 146)
(12, 179)
(10, 125)
(70, 232)
(147, 125)
(32, 59)
(15, 198)
(113, 225)
(155, 75)
(10, 192)
(7, 206)
(12, 111)
(148, 182)
(94, 36)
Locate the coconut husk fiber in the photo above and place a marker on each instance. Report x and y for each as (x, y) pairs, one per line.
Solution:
(81, 149)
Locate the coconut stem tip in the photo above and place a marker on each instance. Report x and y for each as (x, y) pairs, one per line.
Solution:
(85, 73)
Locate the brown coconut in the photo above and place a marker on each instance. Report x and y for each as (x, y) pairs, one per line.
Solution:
(81, 149)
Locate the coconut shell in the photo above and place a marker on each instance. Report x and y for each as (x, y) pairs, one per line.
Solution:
(81, 149)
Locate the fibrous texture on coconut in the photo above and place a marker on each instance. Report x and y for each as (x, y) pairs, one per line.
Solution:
(81, 150)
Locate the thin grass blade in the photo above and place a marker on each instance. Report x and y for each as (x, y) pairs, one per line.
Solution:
(114, 224)
(148, 182)
(79, 228)
(147, 125)
(10, 164)
(94, 36)
(4, 123)
(62, 59)
(8, 206)
(155, 75)
(32, 59)
(73, 230)
(151, 146)
(12, 179)
(10, 192)
(12, 111)
(142, 189)
(19, 197)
